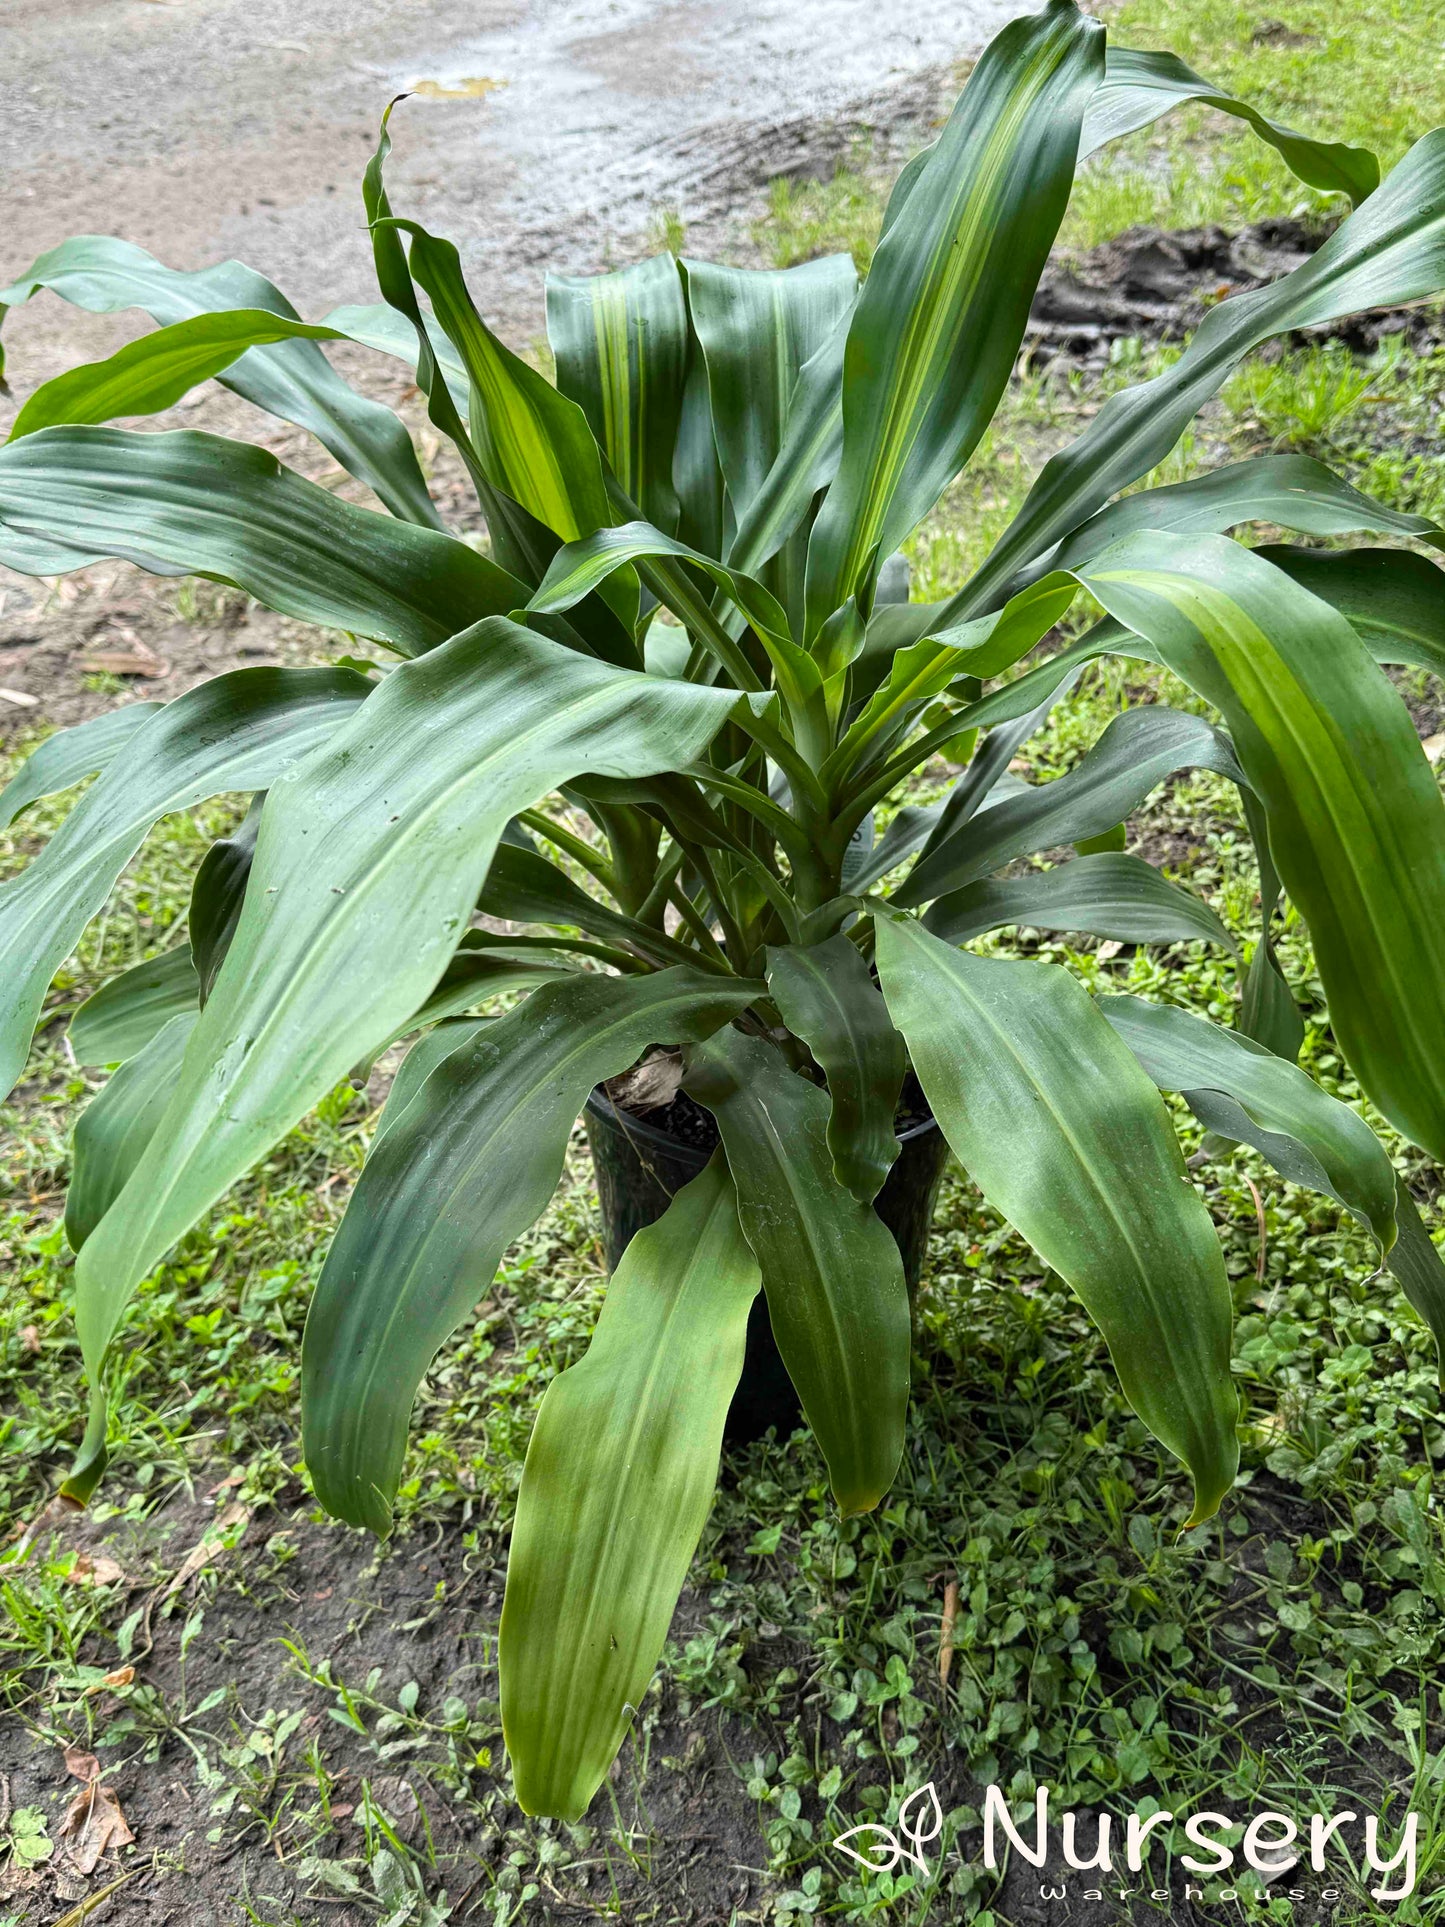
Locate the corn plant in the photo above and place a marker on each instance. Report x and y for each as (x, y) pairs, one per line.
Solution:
(650, 724)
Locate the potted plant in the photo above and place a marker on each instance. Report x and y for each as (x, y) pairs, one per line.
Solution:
(676, 674)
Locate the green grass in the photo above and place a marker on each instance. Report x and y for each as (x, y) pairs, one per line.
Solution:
(1369, 73)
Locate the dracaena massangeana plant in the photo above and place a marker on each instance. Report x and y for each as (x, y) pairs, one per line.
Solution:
(744, 451)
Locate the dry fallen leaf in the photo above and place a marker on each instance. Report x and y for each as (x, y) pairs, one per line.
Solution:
(652, 1084)
(94, 1569)
(19, 698)
(30, 1338)
(475, 87)
(945, 1631)
(139, 661)
(209, 1544)
(1109, 949)
(81, 1765)
(94, 1824)
(1434, 747)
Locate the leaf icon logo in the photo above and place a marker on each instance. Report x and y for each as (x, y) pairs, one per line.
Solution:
(920, 1819)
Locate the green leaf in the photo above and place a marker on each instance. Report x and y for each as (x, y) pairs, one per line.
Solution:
(390, 332)
(217, 896)
(189, 504)
(939, 323)
(1138, 88)
(1356, 821)
(621, 346)
(292, 379)
(1240, 1090)
(370, 858)
(618, 1482)
(1103, 896)
(1394, 601)
(1268, 1012)
(1063, 1133)
(470, 1162)
(828, 998)
(1292, 491)
(523, 887)
(806, 462)
(116, 1126)
(69, 756)
(1388, 252)
(153, 373)
(478, 972)
(1133, 756)
(236, 732)
(1418, 1268)
(834, 1280)
(123, 1015)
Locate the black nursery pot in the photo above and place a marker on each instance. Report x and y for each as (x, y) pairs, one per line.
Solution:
(640, 1166)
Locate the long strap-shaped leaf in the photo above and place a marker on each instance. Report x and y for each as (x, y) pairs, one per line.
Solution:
(236, 732)
(832, 1273)
(1063, 1133)
(1133, 756)
(1139, 87)
(117, 1124)
(621, 345)
(940, 319)
(1292, 491)
(469, 1164)
(368, 864)
(1390, 251)
(828, 998)
(291, 379)
(69, 756)
(123, 1015)
(1356, 822)
(191, 504)
(1394, 601)
(1239, 1090)
(616, 1489)
(1103, 896)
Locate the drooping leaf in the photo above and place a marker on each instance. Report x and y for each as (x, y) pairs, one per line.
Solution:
(1139, 87)
(152, 374)
(938, 325)
(115, 1127)
(621, 346)
(389, 332)
(1056, 1123)
(236, 732)
(218, 893)
(1393, 600)
(192, 504)
(1292, 491)
(69, 756)
(124, 1014)
(1101, 896)
(833, 1277)
(1356, 821)
(523, 887)
(1133, 756)
(292, 379)
(619, 1478)
(1388, 252)
(369, 860)
(1267, 1011)
(468, 1165)
(828, 998)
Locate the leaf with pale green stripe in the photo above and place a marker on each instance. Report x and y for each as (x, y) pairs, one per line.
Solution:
(125, 1014)
(616, 1490)
(1356, 820)
(290, 379)
(470, 1162)
(236, 732)
(69, 756)
(941, 316)
(833, 1277)
(370, 858)
(1388, 252)
(621, 347)
(190, 504)
(1139, 87)
(1053, 1119)
(1107, 895)
(827, 996)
